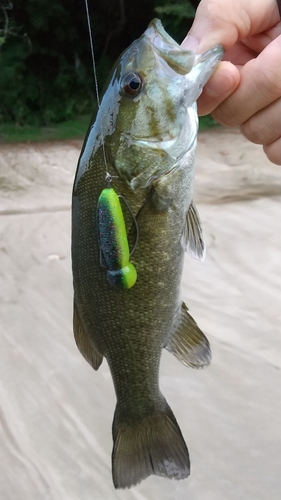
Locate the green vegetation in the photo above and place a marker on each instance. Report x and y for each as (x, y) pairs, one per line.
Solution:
(175, 16)
(43, 79)
(69, 129)
(46, 75)
(206, 122)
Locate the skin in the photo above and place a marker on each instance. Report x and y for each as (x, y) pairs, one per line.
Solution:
(245, 89)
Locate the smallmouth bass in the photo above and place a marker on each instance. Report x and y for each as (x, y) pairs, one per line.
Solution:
(146, 129)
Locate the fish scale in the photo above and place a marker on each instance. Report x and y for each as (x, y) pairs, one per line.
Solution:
(149, 139)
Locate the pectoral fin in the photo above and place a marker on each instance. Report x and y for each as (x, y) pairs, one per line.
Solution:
(193, 236)
(188, 343)
(83, 342)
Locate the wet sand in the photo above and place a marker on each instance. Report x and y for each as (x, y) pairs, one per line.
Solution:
(56, 412)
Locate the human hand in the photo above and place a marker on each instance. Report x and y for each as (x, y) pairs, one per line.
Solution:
(245, 89)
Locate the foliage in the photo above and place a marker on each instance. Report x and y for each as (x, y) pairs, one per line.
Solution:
(174, 15)
(46, 73)
(4, 22)
(206, 122)
(68, 129)
(39, 83)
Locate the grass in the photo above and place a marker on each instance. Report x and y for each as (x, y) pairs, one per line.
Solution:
(71, 129)
(206, 122)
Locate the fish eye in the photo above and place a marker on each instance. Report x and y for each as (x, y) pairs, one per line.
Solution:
(131, 84)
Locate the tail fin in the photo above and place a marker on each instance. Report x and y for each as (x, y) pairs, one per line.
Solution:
(154, 445)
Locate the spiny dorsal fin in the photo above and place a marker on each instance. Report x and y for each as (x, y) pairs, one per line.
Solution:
(193, 235)
(188, 343)
(83, 342)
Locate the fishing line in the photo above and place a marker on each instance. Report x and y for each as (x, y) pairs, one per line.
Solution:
(112, 236)
(92, 52)
(107, 176)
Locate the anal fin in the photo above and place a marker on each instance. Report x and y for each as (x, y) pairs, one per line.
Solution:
(188, 343)
(84, 344)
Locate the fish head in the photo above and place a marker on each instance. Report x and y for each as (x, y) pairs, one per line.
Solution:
(148, 113)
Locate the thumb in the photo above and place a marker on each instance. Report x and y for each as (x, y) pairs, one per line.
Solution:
(226, 22)
(221, 85)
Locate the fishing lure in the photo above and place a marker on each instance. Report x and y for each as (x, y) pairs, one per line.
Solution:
(113, 241)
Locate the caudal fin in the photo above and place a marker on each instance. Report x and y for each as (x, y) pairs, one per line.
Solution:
(154, 445)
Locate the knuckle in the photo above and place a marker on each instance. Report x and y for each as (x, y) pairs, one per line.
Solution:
(269, 69)
(269, 80)
(273, 152)
(252, 131)
(225, 115)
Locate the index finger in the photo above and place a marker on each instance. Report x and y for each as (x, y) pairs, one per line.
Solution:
(226, 22)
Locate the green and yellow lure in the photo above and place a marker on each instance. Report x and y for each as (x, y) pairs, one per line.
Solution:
(113, 241)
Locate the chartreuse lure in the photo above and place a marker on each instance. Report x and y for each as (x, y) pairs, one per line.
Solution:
(113, 241)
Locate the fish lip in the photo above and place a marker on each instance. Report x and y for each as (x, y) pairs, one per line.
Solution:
(159, 34)
(214, 53)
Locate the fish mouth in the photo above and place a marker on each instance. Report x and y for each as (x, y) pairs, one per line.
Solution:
(179, 59)
(205, 64)
(214, 54)
(160, 37)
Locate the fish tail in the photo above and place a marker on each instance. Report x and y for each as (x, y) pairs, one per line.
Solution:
(154, 445)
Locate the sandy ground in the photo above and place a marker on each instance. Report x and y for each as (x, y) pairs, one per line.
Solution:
(56, 412)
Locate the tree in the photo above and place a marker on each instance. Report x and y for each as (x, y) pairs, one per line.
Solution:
(45, 59)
